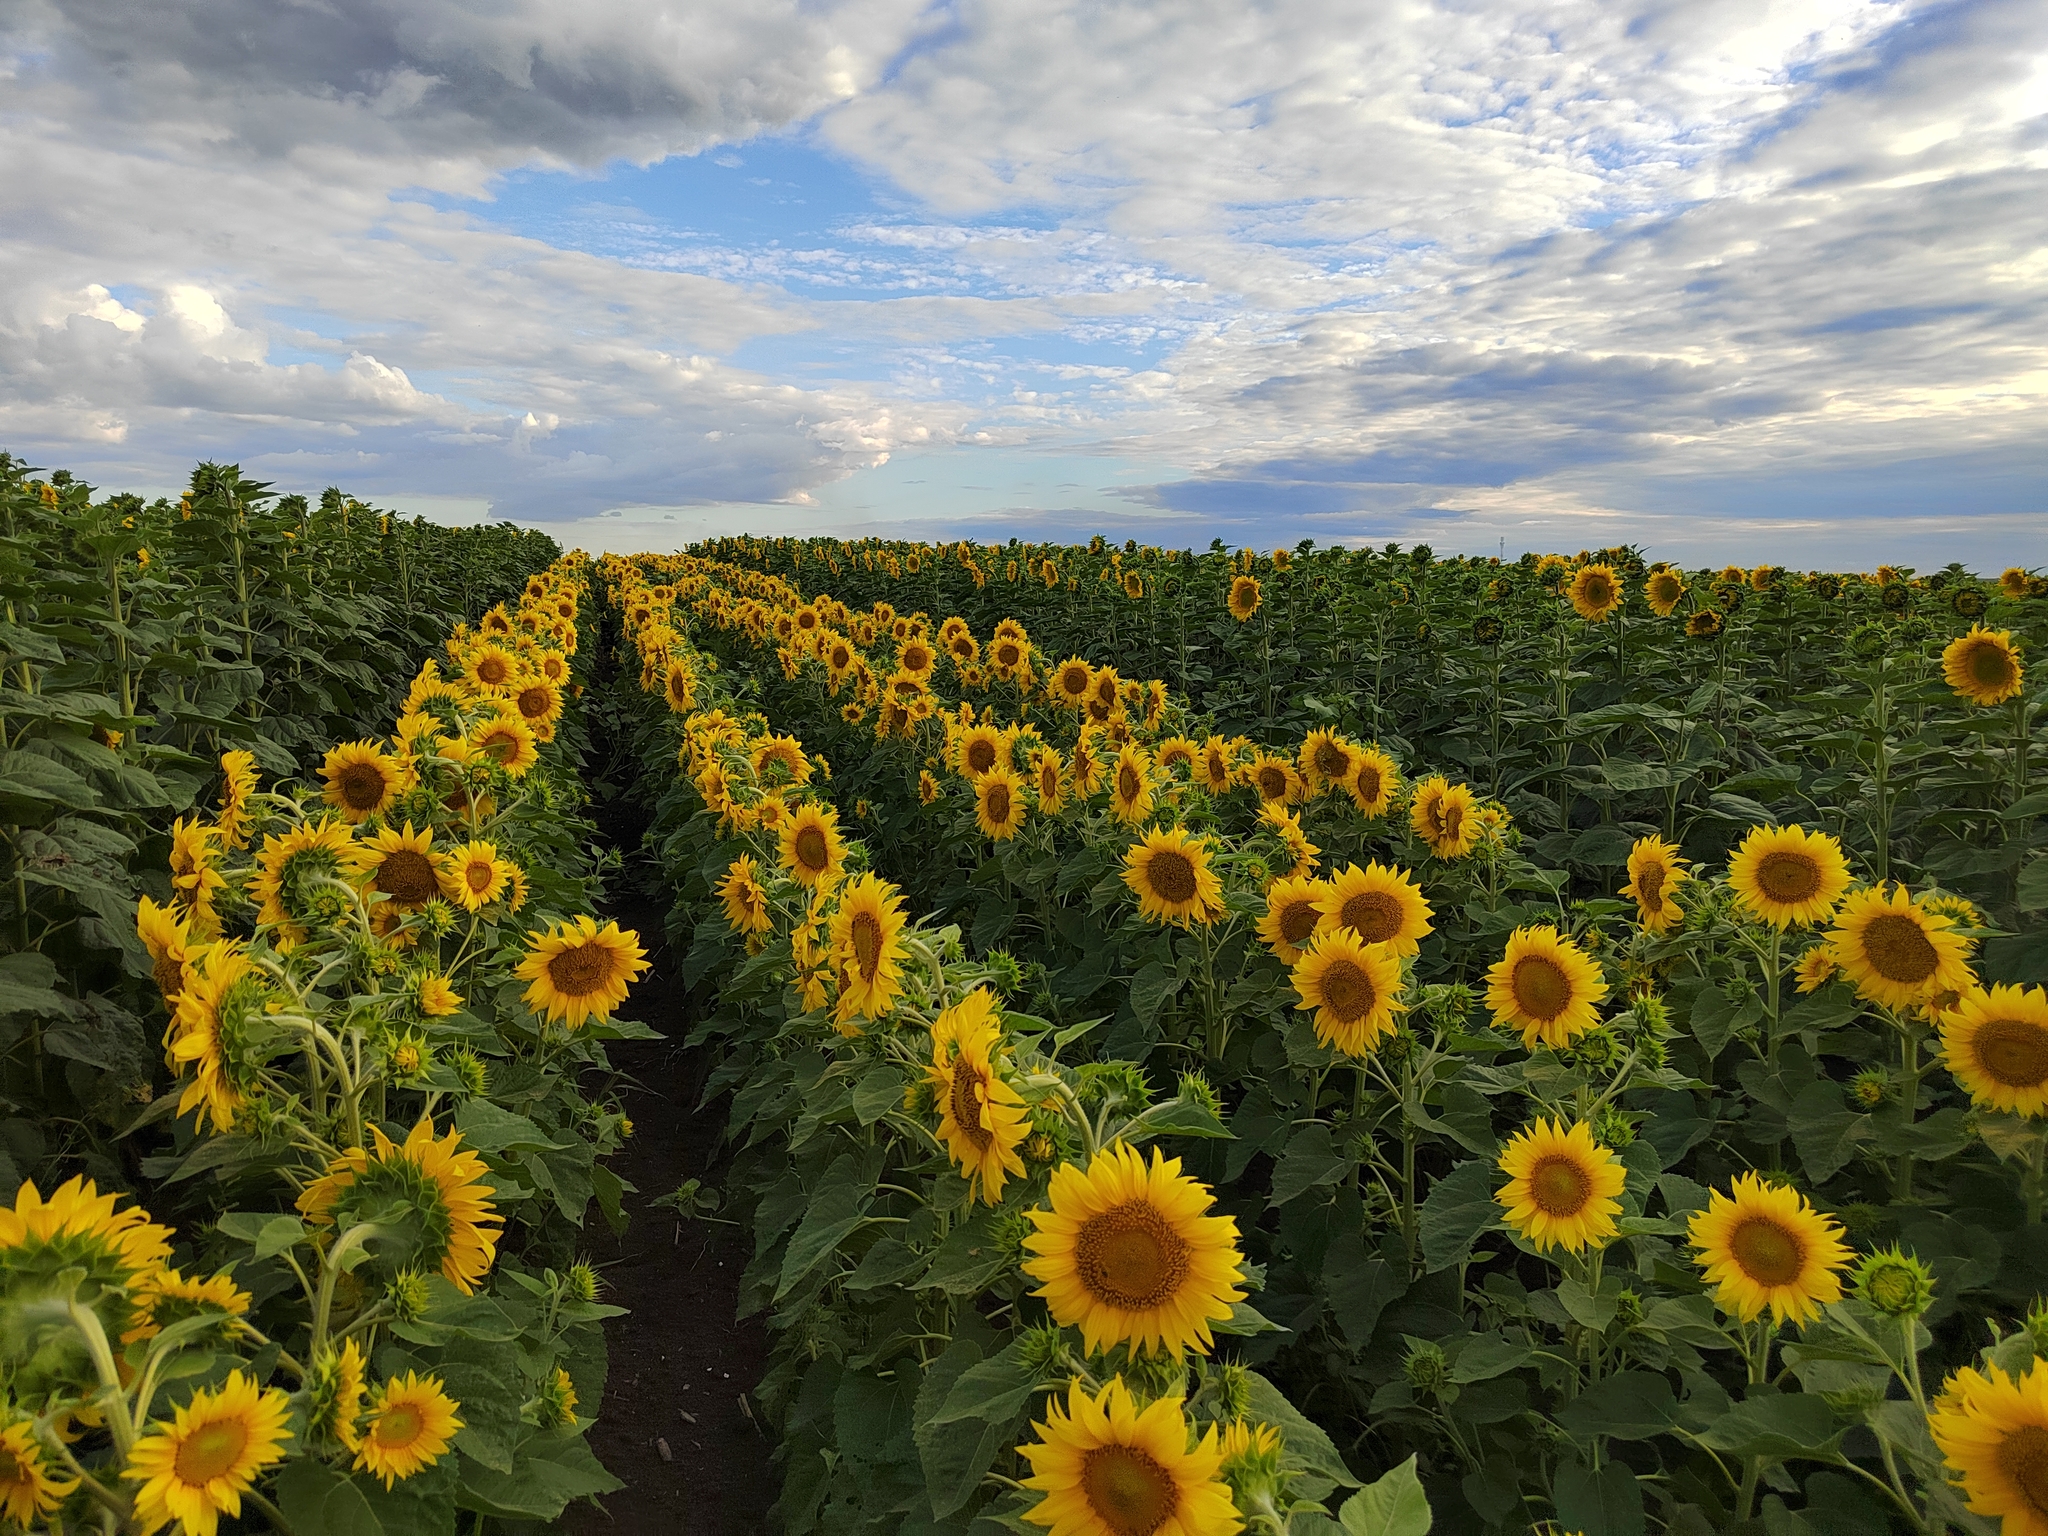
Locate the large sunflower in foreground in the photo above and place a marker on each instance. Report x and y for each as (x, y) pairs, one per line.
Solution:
(1545, 986)
(1374, 782)
(810, 845)
(1595, 592)
(1442, 815)
(1170, 872)
(579, 971)
(1104, 1468)
(1992, 1429)
(1788, 876)
(197, 1467)
(1353, 988)
(362, 780)
(1380, 905)
(1563, 1187)
(999, 804)
(407, 1427)
(454, 1223)
(1127, 1255)
(1896, 951)
(1654, 867)
(1996, 1044)
(982, 1119)
(1763, 1246)
(1983, 666)
(867, 947)
(79, 1242)
(1293, 909)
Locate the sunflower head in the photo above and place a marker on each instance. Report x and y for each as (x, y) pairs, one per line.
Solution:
(1327, 761)
(450, 1222)
(1787, 876)
(983, 1121)
(1379, 905)
(1654, 870)
(1992, 1430)
(31, 1485)
(196, 1467)
(1895, 1283)
(579, 971)
(362, 781)
(1245, 597)
(999, 804)
(1103, 1467)
(1170, 872)
(1293, 915)
(1353, 989)
(1897, 952)
(867, 947)
(1130, 784)
(1595, 592)
(407, 1427)
(1983, 666)
(1373, 783)
(812, 850)
(1995, 1043)
(1546, 986)
(1563, 1188)
(81, 1242)
(1763, 1246)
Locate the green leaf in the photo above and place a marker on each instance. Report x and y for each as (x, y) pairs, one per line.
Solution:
(995, 1389)
(1487, 1355)
(1394, 1505)
(1460, 1207)
(1604, 1503)
(1778, 1427)
(1151, 988)
(1307, 1446)
(1630, 1405)
(953, 1459)
(2034, 886)
(319, 1501)
(970, 1257)
(25, 984)
(1602, 847)
(1175, 1117)
(838, 1206)
(879, 1091)
(1310, 1160)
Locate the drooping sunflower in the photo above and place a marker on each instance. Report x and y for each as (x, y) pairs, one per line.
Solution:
(1545, 986)
(1703, 625)
(1442, 815)
(238, 783)
(1177, 753)
(679, 686)
(1563, 1187)
(1170, 872)
(1049, 780)
(1327, 760)
(166, 1296)
(810, 845)
(1105, 1468)
(981, 749)
(1130, 784)
(1374, 782)
(1763, 1246)
(1274, 778)
(168, 938)
(1380, 905)
(1996, 1044)
(1245, 597)
(402, 867)
(435, 996)
(779, 762)
(1596, 592)
(362, 780)
(1286, 825)
(1353, 988)
(579, 971)
(1665, 590)
(1788, 876)
(195, 873)
(441, 1181)
(1816, 968)
(745, 902)
(31, 1487)
(1293, 909)
(1896, 951)
(1983, 666)
(1992, 1429)
(507, 741)
(983, 1120)
(1127, 1255)
(999, 804)
(1654, 867)
(197, 1467)
(220, 1012)
(867, 947)
(409, 1425)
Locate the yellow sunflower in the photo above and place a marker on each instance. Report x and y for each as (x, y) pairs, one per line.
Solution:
(1104, 1468)
(1218, 771)
(679, 687)
(220, 1011)
(1130, 784)
(1596, 592)
(437, 1177)
(1788, 876)
(1996, 1044)
(476, 875)
(298, 875)
(1379, 905)
(810, 845)
(982, 1119)
(1127, 1255)
(1992, 1430)
(1654, 867)
(195, 875)
(1763, 1246)
(579, 971)
(1293, 910)
(1983, 666)
(238, 784)
(435, 996)
(981, 749)
(197, 1467)
(1175, 753)
(1171, 875)
(402, 867)
(867, 948)
(779, 761)
(1896, 951)
(507, 741)
(1049, 780)
(1354, 989)
(1545, 986)
(408, 1426)
(1816, 968)
(168, 939)
(1563, 1187)
(490, 667)
(1665, 590)
(745, 902)
(30, 1486)
(1285, 825)
(1274, 778)
(166, 1296)
(362, 780)
(1245, 597)
(1373, 783)
(1327, 761)
(999, 804)
(1085, 762)
(1442, 815)
(1070, 680)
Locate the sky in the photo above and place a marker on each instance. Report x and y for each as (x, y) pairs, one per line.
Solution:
(1724, 278)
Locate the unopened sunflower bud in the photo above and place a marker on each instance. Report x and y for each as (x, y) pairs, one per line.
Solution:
(1427, 1369)
(470, 1070)
(409, 1296)
(1195, 1089)
(1612, 1128)
(1870, 1088)
(1628, 1310)
(1040, 1349)
(1895, 1283)
(583, 1281)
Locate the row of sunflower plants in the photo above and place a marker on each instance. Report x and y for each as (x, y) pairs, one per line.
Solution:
(138, 642)
(1545, 1178)
(1589, 692)
(990, 1308)
(384, 1006)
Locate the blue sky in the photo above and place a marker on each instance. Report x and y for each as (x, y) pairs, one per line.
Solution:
(1727, 277)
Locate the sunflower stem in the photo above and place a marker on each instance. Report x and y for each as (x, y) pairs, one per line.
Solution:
(323, 1308)
(115, 1402)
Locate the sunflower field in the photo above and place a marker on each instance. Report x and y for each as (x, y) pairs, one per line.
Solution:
(1347, 1041)
(303, 1018)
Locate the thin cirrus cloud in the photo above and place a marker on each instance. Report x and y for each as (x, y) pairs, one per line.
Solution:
(1700, 274)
